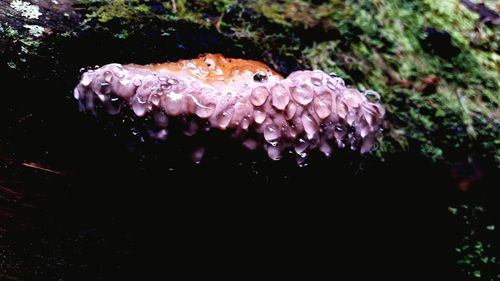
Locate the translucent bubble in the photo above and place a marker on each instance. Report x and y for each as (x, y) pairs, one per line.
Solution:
(272, 133)
(280, 97)
(259, 96)
(302, 94)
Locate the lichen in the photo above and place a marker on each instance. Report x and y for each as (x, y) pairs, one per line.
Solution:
(26, 9)
(34, 30)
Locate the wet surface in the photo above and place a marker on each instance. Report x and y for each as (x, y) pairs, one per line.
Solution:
(85, 197)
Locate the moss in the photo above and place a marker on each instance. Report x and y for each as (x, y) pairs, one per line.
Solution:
(443, 105)
(22, 43)
(442, 123)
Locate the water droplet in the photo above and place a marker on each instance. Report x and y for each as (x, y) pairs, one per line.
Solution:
(161, 119)
(250, 144)
(290, 111)
(335, 83)
(309, 124)
(224, 117)
(274, 152)
(300, 145)
(341, 109)
(202, 110)
(323, 105)
(280, 97)
(113, 105)
(191, 128)
(272, 133)
(141, 99)
(303, 94)
(137, 82)
(351, 100)
(301, 160)
(159, 135)
(138, 108)
(107, 75)
(373, 94)
(259, 96)
(245, 123)
(155, 99)
(118, 70)
(76, 93)
(317, 78)
(325, 148)
(86, 79)
(197, 154)
(351, 118)
(82, 70)
(259, 116)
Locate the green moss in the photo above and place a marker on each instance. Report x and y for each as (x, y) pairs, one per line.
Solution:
(371, 44)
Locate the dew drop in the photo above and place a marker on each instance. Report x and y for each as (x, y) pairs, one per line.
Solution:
(309, 124)
(372, 94)
(86, 79)
(317, 78)
(107, 75)
(301, 160)
(191, 128)
(245, 123)
(137, 82)
(280, 97)
(138, 108)
(197, 154)
(325, 148)
(155, 99)
(224, 117)
(274, 152)
(272, 133)
(301, 145)
(118, 70)
(203, 111)
(76, 93)
(302, 94)
(259, 116)
(259, 96)
(335, 83)
(323, 105)
(290, 111)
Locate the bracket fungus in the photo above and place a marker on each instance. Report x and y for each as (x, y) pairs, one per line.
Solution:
(306, 110)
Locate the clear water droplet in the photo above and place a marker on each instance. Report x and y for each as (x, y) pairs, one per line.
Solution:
(373, 95)
(302, 94)
(197, 154)
(274, 152)
(290, 111)
(323, 105)
(259, 116)
(279, 97)
(137, 82)
(272, 133)
(301, 145)
(317, 78)
(259, 96)
(309, 124)
(107, 75)
(224, 117)
(86, 79)
(118, 70)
